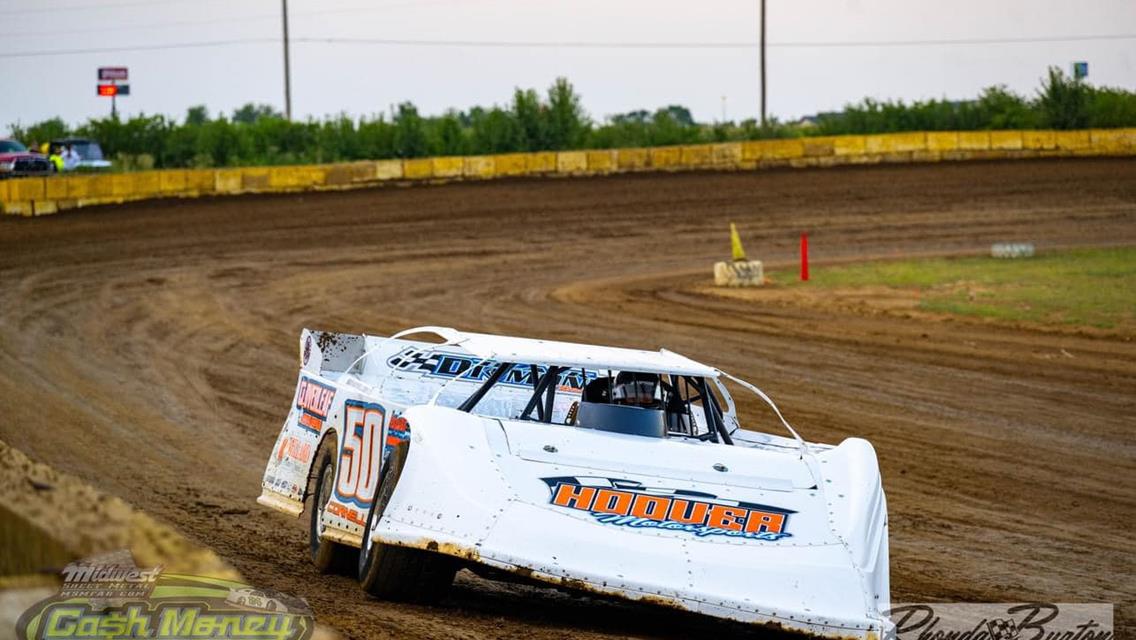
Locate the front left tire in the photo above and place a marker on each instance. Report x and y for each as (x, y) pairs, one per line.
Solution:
(391, 572)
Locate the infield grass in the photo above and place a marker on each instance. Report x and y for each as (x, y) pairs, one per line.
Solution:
(1085, 287)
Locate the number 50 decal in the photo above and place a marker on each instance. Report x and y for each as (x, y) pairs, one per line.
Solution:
(360, 457)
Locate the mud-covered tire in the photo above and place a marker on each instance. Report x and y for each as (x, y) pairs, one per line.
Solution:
(390, 572)
(328, 556)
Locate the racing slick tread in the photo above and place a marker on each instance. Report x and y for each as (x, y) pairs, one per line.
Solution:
(405, 574)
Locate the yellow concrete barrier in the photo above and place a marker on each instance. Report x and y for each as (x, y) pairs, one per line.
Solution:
(479, 167)
(448, 167)
(698, 156)
(509, 164)
(173, 182)
(389, 170)
(540, 162)
(632, 159)
(973, 140)
(29, 189)
(418, 169)
(1039, 140)
(571, 162)
(666, 158)
(35, 196)
(601, 161)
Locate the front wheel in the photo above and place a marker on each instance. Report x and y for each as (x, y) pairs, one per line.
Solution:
(328, 556)
(390, 572)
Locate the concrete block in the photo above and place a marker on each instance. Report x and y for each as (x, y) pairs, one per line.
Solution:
(479, 167)
(727, 154)
(741, 273)
(974, 140)
(571, 162)
(666, 157)
(540, 162)
(418, 168)
(601, 161)
(632, 159)
(389, 170)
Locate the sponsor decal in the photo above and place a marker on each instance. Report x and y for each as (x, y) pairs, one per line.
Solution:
(439, 364)
(397, 431)
(1003, 621)
(295, 449)
(347, 513)
(630, 504)
(110, 598)
(313, 399)
(307, 349)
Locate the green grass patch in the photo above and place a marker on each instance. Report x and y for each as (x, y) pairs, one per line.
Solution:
(1086, 287)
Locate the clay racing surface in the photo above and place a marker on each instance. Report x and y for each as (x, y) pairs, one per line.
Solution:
(151, 350)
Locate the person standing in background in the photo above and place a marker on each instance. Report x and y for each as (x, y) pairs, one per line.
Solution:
(71, 158)
(56, 159)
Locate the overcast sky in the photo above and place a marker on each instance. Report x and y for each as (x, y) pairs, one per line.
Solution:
(914, 53)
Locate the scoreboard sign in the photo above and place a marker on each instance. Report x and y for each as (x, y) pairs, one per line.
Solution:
(113, 73)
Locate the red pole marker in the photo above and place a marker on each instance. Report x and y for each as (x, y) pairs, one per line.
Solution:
(804, 257)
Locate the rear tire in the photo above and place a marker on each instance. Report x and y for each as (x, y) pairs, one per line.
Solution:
(328, 556)
(390, 572)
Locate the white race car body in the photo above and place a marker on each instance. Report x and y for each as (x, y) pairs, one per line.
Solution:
(746, 526)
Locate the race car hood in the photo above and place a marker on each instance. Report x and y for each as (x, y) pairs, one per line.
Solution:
(678, 459)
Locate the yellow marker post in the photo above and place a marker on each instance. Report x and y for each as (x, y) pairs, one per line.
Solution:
(736, 244)
(741, 271)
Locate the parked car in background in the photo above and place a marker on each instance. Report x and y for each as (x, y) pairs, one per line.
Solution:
(17, 161)
(90, 153)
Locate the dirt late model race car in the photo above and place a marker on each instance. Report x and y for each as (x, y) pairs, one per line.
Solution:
(609, 470)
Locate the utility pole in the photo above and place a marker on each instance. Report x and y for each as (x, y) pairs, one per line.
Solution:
(762, 63)
(287, 67)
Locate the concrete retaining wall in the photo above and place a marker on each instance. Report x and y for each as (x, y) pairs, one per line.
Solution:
(39, 196)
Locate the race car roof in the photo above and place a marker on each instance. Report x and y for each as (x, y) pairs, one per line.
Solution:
(570, 354)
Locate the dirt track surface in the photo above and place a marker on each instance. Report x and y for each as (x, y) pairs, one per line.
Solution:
(151, 350)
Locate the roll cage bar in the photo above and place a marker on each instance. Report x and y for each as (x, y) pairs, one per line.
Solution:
(544, 396)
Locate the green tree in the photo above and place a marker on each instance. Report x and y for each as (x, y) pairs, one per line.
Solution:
(196, 115)
(250, 113)
(409, 135)
(1063, 101)
(568, 123)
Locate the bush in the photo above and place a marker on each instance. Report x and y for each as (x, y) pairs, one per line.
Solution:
(259, 135)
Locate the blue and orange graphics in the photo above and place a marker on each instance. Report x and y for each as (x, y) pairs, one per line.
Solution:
(439, 364)
(313, 399)
(360, 456)
(630, 504)
(398, 431)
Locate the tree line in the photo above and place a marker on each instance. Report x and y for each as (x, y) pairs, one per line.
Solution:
(260, 135)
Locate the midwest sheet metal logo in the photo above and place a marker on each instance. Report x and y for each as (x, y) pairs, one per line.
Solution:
(630, 504)
(1002, 621)
(109, 598)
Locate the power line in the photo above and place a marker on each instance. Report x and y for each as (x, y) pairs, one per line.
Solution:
(562, 44)
(114, 5)
(155, 47)
(188, 23)
(702, 45)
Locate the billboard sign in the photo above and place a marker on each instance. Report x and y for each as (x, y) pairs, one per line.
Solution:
(113, 73)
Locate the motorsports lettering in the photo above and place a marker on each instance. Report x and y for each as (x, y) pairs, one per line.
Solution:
(630, 504)
(109, 598)
(437, 364)
(313, 399)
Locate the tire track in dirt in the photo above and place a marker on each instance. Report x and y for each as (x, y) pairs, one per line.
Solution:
(150, 349)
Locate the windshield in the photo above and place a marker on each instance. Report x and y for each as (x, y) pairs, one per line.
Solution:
(621, 401)
(11, 146)
(89, 150)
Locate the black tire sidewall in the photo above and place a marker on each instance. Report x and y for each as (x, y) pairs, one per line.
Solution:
(391, 472)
